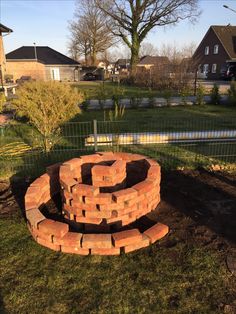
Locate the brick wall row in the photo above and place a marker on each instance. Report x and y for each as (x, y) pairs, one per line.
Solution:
(86, 204)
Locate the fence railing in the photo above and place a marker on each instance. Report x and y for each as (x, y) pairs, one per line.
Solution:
(174, 143)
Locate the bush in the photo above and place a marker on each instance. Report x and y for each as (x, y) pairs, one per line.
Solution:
(167, 93)
(215, 95)
(47, 105)
(2, 101)
(232, 93)
(185, 92)
(200, 95)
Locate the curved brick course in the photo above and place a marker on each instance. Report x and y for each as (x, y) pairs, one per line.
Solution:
(98, 191)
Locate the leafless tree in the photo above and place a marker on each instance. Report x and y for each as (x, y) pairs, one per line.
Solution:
(147, 49)
(134, 19)
(90, 31)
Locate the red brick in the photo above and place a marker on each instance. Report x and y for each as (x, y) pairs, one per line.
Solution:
(74, 163)
(98, 214)
(68, 183)
(143, 187)
(154, 171)
(74, 250)
(101, 198)
(156, 232)
(100, 241)
(152, 162)
(48, 244)
(44, 236)
(126, 237)
(124, 195)
(95, 221)
(112, 206)
(99, 170)
(143, 243)
(85, 190)
(34, 217)
(94, 158)
(30, 204)
(69, 239)
(119, 166)
(56, 228)
(82, 206)
(53, 170)
(112, 251)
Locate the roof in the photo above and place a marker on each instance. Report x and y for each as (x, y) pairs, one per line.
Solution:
(45, 55)
(227, 36)
(123, 62)
(5, 29)
(153, 60)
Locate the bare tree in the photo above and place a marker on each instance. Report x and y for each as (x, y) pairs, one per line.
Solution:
(90, 31)
(134, 19)
(148, 49)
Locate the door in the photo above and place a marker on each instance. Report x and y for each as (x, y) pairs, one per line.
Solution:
(55, 74)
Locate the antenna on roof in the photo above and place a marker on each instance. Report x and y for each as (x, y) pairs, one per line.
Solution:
(35, 52)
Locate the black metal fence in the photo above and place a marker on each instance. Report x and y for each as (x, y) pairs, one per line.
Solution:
(173, 143)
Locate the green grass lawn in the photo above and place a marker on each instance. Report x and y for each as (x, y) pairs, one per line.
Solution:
(181, 118)
(180, 279)
(91, 90)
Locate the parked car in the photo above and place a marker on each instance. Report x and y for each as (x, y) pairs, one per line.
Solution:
(90, 77)
(229, 73)
(24, 79)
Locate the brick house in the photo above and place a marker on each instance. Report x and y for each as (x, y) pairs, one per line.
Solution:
(42, 63)
(216, 50)
(148, 62)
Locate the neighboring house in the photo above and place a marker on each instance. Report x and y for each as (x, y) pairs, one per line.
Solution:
(122, 66)
(216, 50)
(3, 30)
(42, 63)
(148, 62)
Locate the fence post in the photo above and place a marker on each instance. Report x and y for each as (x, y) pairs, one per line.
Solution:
(95, 134)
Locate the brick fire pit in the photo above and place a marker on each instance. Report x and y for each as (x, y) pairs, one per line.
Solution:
(102, 195)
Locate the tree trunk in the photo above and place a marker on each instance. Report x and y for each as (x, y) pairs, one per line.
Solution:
(134, 54)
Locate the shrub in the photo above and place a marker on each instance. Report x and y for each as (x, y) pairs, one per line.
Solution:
(200, 95)
(215, 95)
(2, 101)
(185, 92)
(167, 93)
(101, 94)
(47, 105)
(232, 93)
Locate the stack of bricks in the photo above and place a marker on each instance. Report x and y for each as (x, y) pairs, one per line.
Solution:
(87, 204)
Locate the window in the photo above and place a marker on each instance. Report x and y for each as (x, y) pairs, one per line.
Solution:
(214, 67)
(205, 68)
(207, 50)
(216, 49)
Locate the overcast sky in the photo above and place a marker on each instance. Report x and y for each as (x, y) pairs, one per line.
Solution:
(46, 23)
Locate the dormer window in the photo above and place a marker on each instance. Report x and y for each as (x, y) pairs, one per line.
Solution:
(207, 50)
(216, 49)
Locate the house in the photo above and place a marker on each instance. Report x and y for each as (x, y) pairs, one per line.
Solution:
(148, 62)
(42, 63)
(3, 30)
(122, 66)
(216, 50)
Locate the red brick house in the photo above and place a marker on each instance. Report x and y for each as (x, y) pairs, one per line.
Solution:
(42, 63)
(216, 50)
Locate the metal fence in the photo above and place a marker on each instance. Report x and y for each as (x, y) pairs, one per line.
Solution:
(173, 143)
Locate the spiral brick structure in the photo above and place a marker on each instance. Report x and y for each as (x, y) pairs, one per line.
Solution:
(101, 194)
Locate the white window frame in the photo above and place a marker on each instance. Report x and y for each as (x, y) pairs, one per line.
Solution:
(205, 68)
(216, 50)
(55, 74)
(214, 68)
(207, 50)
